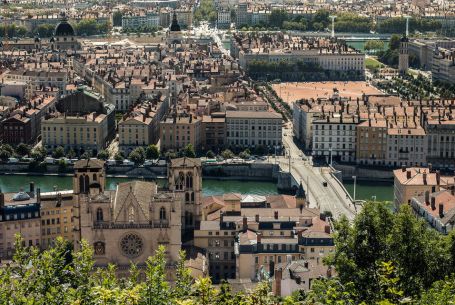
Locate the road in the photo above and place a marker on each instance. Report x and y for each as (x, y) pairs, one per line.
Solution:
(332, 198)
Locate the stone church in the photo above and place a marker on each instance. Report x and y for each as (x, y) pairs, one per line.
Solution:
(129, 223)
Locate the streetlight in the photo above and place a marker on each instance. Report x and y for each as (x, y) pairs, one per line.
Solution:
(355, 181)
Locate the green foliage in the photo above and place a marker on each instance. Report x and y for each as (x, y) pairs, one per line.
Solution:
(183, 278)
(227, 154)
(189, 151)
(103, 155)
(277, 17)
(44, 30)
(206, 11)
(210, 154)
(137, 156)
(71, 154)
(23, 149)
(152, 152)
(118, 157)
(398, 25)
(88, 27)
(117, 18)
(352, 22)
(374, 45)
(58, 152)
(12, 30)
(383, 257)
(6, 152)
(39, 154)
(244, 154)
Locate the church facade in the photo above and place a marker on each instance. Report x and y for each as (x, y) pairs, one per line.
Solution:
(129, 223)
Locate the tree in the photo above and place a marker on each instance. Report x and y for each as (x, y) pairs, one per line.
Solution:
(210, 154)
(71, 154)
(23, 149)
(277, 17)
(395, 41)
(45, 30)
(117, 18)
(245, 154)
(118, 157)
(156, 287)
(86, 155)
(374, 45)
(189, 151)
(183, 278)
(227, 154)
(103, 155)
(204, 292)
(58, 152)
(39, 153)
(137, 156)
(152, 152)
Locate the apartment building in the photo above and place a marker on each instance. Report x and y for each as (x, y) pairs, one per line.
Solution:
(334, 137)
(184, 17)
(443, 65)
(56, 209)
(371, 144)
(19, 214)
(440, 130)
(82, 122)
(37, 78)
(213, 132)
(23, 123)
(416, 182)
(437, 209)
(250, 129)
(328, 55)
(406, 145)
(148, 19)
(176, 132)
(223, 20)
(141, 126)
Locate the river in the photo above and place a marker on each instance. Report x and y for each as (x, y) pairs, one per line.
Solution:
(364, 190)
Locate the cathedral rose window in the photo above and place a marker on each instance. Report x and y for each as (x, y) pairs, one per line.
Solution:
(131, 245)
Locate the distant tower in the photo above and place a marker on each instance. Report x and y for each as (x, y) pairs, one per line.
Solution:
(300, 197)
(403, 59)
(333, 26)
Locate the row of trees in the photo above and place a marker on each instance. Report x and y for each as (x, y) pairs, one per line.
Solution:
(12, 30)
(62, 276)
(262, 66)
(345, 22)
(206, 11)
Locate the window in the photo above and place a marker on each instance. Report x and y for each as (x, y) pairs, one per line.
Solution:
(99, 214)
(162, 213)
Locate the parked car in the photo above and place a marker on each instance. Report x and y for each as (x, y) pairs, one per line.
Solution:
(128, 162)
(49, 160)
(111, 162)
(13, 160)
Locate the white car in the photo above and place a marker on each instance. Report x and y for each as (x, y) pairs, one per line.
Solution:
(49, 160)
(13, 160)
(128, 162)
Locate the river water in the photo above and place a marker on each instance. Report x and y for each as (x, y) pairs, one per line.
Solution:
(364, 190)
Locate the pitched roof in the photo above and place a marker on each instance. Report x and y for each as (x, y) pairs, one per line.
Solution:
(185, 162)
(89, 163)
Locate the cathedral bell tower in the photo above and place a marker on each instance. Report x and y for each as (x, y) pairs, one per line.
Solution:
(89, 177)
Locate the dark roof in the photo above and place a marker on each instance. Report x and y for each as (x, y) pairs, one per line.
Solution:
(300, 192)
(175, 27)
(64, 28)
(89, 163)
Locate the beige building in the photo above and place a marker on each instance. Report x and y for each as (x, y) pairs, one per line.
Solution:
(371, 142)
(253, 128)
(178, 132)
(82, 122)
(417, 182)
(56, 209)
(19, 214)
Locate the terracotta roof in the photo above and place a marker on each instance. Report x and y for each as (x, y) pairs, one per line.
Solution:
(89, 163)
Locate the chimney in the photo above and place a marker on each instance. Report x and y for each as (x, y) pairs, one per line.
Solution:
(32, 187)
(425, 178)
(322, 216)
(245, 223)
(438, 177)
(408, 174)
(288, 259)
(278, 278)
(403, 168)
(430, 167)
(327, 229)
(256, 217)
(258, 238)
(275, 214)
(427, 198)
(441, 210)
(433, 203)
(221, 217)
(38, 195)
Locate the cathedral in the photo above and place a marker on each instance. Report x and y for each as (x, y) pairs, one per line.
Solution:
(129, 223)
